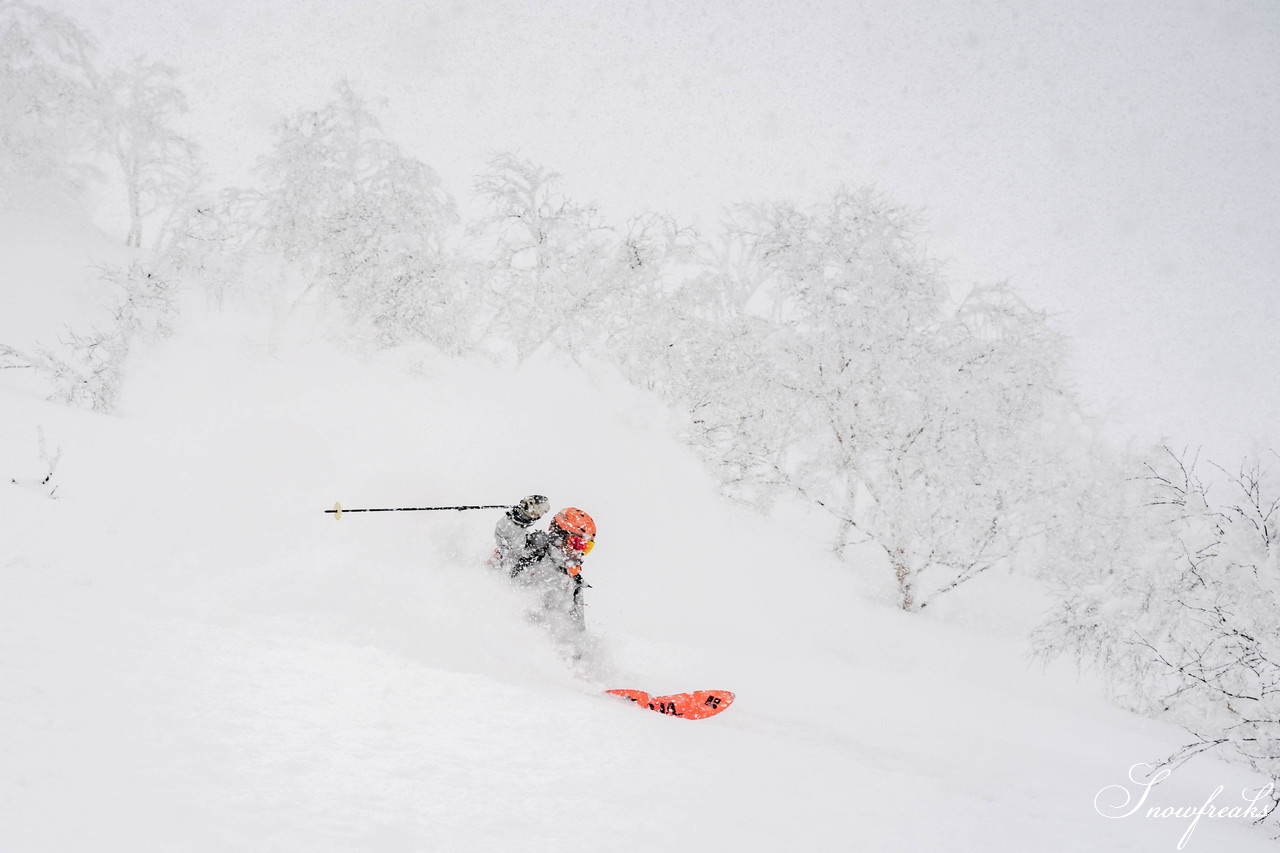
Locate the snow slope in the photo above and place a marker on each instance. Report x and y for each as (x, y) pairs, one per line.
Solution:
(194, 657)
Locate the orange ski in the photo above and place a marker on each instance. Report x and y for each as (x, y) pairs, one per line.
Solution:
(691, 706)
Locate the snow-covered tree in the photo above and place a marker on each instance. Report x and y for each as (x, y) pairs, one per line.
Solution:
(1182, 612)
(88, 368)
(830, 364)
(1001, 426)
(1102, 561)
(50, 101)
(548, 258)
(208, 240)
(1220, 654)
(637, 317)
(158, 165)
(357, 223)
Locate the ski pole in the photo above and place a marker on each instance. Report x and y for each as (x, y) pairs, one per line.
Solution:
(338, 510)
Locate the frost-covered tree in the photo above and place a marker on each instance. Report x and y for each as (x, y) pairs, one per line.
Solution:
(637, 314)
(158, 165)
(60, 115)
(208, 240)
(1002, 426)
(650, 256)
(358, 224)
(88, 368)
(1220, 654)
(50, 102)
(1101, 560)
(548, 258)
(848, 379)
(1182, 612)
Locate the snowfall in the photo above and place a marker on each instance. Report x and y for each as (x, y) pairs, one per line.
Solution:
(195, 656)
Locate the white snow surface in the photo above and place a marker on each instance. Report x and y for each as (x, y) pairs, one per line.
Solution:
(195, 657)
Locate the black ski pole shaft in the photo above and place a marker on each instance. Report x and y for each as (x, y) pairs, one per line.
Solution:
(338, 509)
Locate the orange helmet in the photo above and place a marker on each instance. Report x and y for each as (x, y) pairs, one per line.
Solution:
(575, 522)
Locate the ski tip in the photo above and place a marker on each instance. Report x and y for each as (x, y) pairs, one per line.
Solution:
(708, 703)
(637, 696)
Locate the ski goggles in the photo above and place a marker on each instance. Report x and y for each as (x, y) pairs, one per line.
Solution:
(580, 544)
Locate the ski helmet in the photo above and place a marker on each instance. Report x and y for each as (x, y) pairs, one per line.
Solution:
(575, 522)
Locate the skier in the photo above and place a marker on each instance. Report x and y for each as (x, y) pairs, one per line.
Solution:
(548, 562)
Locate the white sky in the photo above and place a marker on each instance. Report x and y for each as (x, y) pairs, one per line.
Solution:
(1117, 161)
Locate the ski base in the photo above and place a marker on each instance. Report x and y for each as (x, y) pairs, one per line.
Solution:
(697, 705)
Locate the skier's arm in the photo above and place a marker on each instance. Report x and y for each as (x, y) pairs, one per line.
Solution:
(510, 535)
(516, 544)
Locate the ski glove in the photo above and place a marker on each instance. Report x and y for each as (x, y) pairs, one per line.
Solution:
(529, 510)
